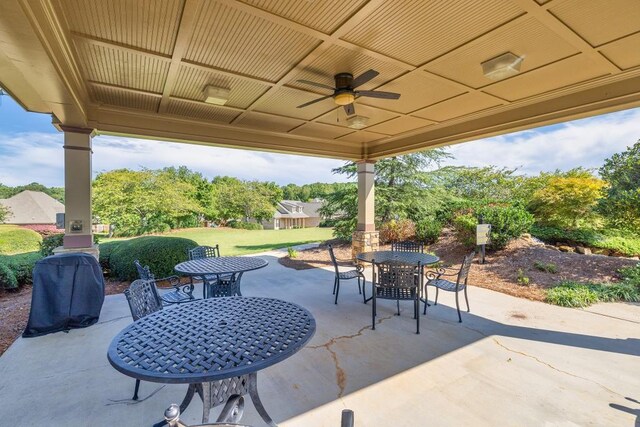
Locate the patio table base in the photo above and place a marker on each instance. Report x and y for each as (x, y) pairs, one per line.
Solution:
(217, 393)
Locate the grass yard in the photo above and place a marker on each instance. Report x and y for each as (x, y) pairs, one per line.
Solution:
(240, 242)
(16, 240)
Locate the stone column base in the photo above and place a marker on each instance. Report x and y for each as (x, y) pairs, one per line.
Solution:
(364, 241)
(93, 250)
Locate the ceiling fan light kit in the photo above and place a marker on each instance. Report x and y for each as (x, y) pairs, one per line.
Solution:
(344, 92)
(503, 66)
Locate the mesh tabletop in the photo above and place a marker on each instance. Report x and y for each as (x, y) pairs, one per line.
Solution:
(211, 339)
(398, 256)
(220, 265)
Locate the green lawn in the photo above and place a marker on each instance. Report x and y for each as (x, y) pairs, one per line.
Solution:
(16, 240)
(239, 242)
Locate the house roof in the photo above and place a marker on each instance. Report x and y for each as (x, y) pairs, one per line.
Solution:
(32, 207)
(140, 68)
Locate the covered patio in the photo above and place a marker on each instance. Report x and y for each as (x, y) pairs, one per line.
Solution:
(511, 362)
(236, 74)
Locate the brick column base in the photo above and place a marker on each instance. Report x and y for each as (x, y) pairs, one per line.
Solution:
(364, 241)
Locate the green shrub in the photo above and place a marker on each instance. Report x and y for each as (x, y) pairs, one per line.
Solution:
(428, 230)
(615, 240)
(15, 240)
(160, 253)
(7, 278)
(546, 267)
(507, 223)
(49, 243)
(397, 230)
(571, 294)
(246, 225)
(522, 278)
(105, 253)
(631, 275)
(292, 252)
(465, 227)
(22, 266)
(344, 228)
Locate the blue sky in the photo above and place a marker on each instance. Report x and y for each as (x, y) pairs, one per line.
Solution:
(31, 150)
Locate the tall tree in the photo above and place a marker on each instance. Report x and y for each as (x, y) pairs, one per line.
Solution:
(622, 198)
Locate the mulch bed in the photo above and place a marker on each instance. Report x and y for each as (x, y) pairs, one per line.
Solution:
(15, 306)
(500, 272)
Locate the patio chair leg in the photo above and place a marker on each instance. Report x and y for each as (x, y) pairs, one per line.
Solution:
(466, 298)
(436, 301)
(426, 300)
(398, 306)
(458, 308)
(337, 291)
(364, 290)
(373, 312)
(416, 309)
(335, 282)
(135, 391)
(359, 289)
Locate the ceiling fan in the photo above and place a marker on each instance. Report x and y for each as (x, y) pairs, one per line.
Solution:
(344, 93)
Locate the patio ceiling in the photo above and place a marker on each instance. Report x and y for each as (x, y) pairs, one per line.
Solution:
(139, 68)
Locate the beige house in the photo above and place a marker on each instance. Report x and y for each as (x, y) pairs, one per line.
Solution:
(32, 208)
(294, 214)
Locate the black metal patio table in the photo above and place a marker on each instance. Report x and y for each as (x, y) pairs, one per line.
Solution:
(231, 266)
(216, 345)
(411, 258)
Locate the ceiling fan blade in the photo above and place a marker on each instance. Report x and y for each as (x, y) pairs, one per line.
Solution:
(314, 101)
(363, 78)
(307, 82)
(378, 94)
(349, 109)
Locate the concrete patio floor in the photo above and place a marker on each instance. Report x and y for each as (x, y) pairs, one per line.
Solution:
(511, 362)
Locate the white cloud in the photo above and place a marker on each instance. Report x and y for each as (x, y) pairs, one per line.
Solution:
(586, 143)
(39, 157)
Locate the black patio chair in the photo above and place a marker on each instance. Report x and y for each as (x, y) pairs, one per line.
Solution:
(218, 285)
(407, 246)
(434, 278)
(347, 275)
(231, 414)
(177, 294)
(143, 299)
(396, 281)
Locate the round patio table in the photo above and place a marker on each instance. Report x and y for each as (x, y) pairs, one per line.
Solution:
(220, 275)
(216, 345)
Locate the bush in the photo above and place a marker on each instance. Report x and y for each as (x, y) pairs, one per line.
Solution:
(15, 240)
(616, 240)
(571, 294)
(507, 223)
(292, 252)
(397, 230)
(49, 243)
(631, 275)
(546, 267)
(105, 253)
(22, 266)
(428, 230)
(246, 225)
(465, 227)
(7, 278)
(160, 253)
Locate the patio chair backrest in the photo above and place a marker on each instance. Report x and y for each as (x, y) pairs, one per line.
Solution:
(333, 258)
(143, 272)
(465, 267)
(200, 252)
(395, 275)
(407, 246)
(143, 298)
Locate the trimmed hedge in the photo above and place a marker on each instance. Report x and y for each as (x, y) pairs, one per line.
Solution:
(7, 278)
(21, 266)
(246, 225)
(160, 253)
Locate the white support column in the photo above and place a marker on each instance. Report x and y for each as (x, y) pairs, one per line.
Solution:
(365, 238)
(78, 236)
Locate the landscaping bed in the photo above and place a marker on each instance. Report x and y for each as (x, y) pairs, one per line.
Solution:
(522, 258)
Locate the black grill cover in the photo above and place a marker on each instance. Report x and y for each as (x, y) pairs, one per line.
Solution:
(68, 292)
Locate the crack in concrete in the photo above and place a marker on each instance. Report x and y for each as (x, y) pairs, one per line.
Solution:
(341, 376)
(542, 362)
(112, 320)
